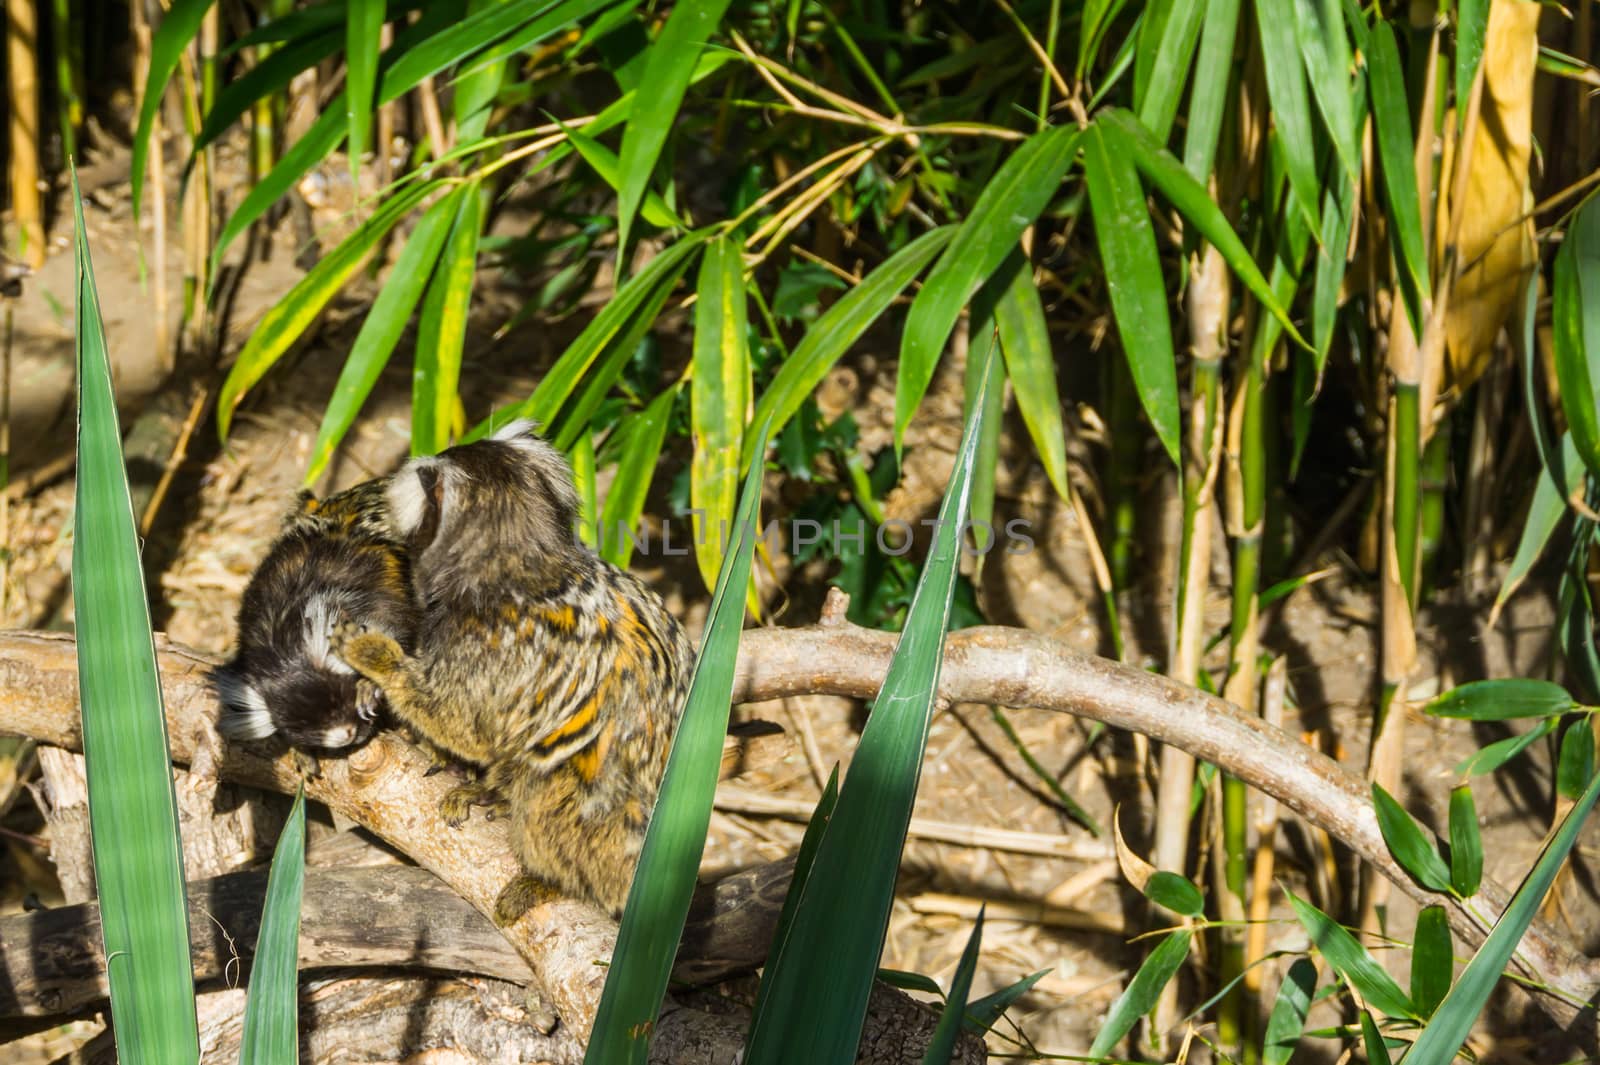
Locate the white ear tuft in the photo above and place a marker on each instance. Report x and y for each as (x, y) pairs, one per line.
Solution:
(408, 500)
(320, 615)
(514, 430)
(244, 711)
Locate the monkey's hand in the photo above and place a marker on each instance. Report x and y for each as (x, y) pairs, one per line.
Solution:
(372, 654)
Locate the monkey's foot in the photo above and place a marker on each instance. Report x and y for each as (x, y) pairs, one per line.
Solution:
(457, 804)
(305, 765)
(520, 896)
(372, 654)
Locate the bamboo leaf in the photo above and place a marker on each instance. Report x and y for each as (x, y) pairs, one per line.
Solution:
(658, 901)
(719, 395)
(1497, 754)
(1031, 365)
(442, 327)
(1372, 1040)
(822, 972)
(1286, 96)
(281, 326)
(1169, 66)
(1432, 960)
(1472, 27)
(840, 326)
(180, 23)
(380, 331)
(603, 161)
(1375, 986)
(1447, 1030)
(1412, 845)
(133, 814)
(268, 76)
(1213, 82)
(1288, 1020)
(1391, 115)
(1319, 28)
(1575, 765)
(1010, 202)
(982, 1014)
(943, 1043)
(1466, 845)
(1142, 991)
(645, 432)
(272, 1009)
(1176, 892)
(1501, 700)
(667, 70)
(1576, 329)
(1133, 276)
(582, 457)
(1097, 18)
(363, 26)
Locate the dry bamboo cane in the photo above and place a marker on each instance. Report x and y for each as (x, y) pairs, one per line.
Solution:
(22, 83)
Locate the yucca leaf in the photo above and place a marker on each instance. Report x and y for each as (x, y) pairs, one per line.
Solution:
(719, 396)
(1351, 960)
(1013, 198)
(1133, 276)
(281, 326)
(943, 1043)
(272, 1009)
(840, 326)
(982, 1014)
(133, 813)
(1447, 1029)
(667, 70)
(442, 327)
(180, 23)
(644, 433)
(363, 25)
(818, 978)
(658, 902)
(381, 330)
(804, 858)
(1140, 996)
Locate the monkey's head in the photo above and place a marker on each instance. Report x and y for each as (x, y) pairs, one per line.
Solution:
(474, 509)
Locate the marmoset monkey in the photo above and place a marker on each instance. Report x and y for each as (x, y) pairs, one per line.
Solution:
(334, 558)
(559, 675)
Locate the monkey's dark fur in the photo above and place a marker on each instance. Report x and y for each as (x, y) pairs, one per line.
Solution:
(559, 675)
(333, 559)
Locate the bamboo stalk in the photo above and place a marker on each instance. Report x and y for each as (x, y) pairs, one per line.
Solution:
(155, 184)
(22, 83)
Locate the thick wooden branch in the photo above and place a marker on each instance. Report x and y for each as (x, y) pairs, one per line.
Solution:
(380, 786)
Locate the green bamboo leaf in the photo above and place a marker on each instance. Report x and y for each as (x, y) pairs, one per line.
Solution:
(644, 434)
(943, 1044)
(1176, 892)
(1010, 202)
(179, 26)
(1097, 18)
(984, 380)
(840, 326)
(1444, 1033)
(1133, 275)
(1372, 1040)
(442, 327)
(1168, 65)
(281, 326)
(1391, 115)
(380, 331)
(666, 76)
(272, 1010)
(1288, 1020)
(1213, 83)
(598, 381)
(582, 457)
(1333, 243)
(476, 86)
(1575, 764)
(1375, 986)
(598, 337)
(982, 1014)
(1319, 29)
(1286, 97)
(719, 395)
(1466, 845)
(1549, 506)
(133, 814)
(1576, 322)
(658, 901)
(804, 859)
(1432, 960)
(1497, 754)
(603, 161)
(1139, 998)
(305, 22)
(1501, 700)
(1031, 365)
(1412, 845)
(268, 76)
(1472, 26)
(363, 25)
(1162, 169)
(827, 962)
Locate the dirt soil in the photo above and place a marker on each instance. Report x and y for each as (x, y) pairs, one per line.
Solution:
(1072, 917)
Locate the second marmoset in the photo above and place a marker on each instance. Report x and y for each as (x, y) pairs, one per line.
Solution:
(559, 675)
